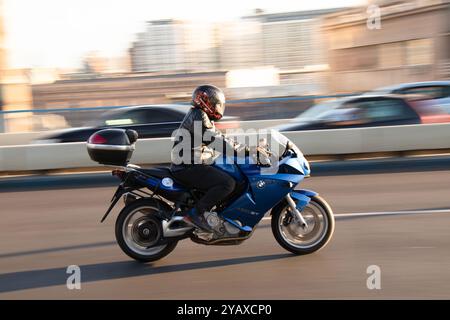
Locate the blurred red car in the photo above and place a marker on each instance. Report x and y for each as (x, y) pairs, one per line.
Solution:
(428, 110)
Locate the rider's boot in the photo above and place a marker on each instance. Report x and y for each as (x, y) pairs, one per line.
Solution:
(196, 218)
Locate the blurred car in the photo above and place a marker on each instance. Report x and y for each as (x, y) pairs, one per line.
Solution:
(367, 111)
(436, 91)
(151, 121)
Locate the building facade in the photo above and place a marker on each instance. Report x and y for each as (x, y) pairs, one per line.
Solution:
(287, 41)
(293, 40)
(15, 90)
(240, 44)
(159, 48)
(131, 89)
(411, 44)
(171, 45)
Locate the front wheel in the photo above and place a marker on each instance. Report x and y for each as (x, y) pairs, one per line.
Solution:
(139, 231)
(291, 236)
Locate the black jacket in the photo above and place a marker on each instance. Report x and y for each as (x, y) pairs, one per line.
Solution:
(197, 141)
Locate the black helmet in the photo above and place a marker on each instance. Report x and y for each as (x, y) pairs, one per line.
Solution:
(211, 100)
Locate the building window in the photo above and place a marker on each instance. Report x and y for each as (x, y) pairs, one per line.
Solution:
(358, 58)
(391, 55)
(419, 52)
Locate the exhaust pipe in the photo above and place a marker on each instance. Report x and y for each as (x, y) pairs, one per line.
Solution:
(169, 232)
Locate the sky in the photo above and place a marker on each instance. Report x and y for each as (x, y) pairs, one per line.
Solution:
(58, 33)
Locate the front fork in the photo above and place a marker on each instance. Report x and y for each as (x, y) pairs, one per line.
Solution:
(297, 214)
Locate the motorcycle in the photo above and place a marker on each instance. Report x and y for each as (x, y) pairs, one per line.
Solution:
(151, 223)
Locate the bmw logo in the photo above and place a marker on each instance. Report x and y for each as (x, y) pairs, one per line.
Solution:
(260, 184)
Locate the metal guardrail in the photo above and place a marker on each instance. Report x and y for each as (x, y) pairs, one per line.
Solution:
(314, 142)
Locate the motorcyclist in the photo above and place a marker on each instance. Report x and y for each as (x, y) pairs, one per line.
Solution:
(194, 170)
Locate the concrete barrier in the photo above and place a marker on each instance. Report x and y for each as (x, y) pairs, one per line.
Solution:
(12, 139)
(314, 142)
(375, 139)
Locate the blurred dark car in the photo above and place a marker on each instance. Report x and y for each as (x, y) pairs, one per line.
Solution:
(152, 121)
(436, 91)
(367, 111)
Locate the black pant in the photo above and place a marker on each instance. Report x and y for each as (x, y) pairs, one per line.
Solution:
(216, 183)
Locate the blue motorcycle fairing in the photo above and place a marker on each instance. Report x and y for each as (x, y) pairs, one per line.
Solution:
(307, 192)
(264, 189)
(262, 194)
(252, 170)
(243, 228)
(303, 197)
(299, 163)
(238, 167)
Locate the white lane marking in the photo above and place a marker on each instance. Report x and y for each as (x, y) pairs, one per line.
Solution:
(391, 213)
(386, 213)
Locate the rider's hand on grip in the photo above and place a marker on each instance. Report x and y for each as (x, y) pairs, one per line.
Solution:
(263, 156)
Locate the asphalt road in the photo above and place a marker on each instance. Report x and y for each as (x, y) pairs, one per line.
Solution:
(43, 232)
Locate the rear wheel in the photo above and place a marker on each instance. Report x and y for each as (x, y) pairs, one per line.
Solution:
(139, 231)
(290, 234)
